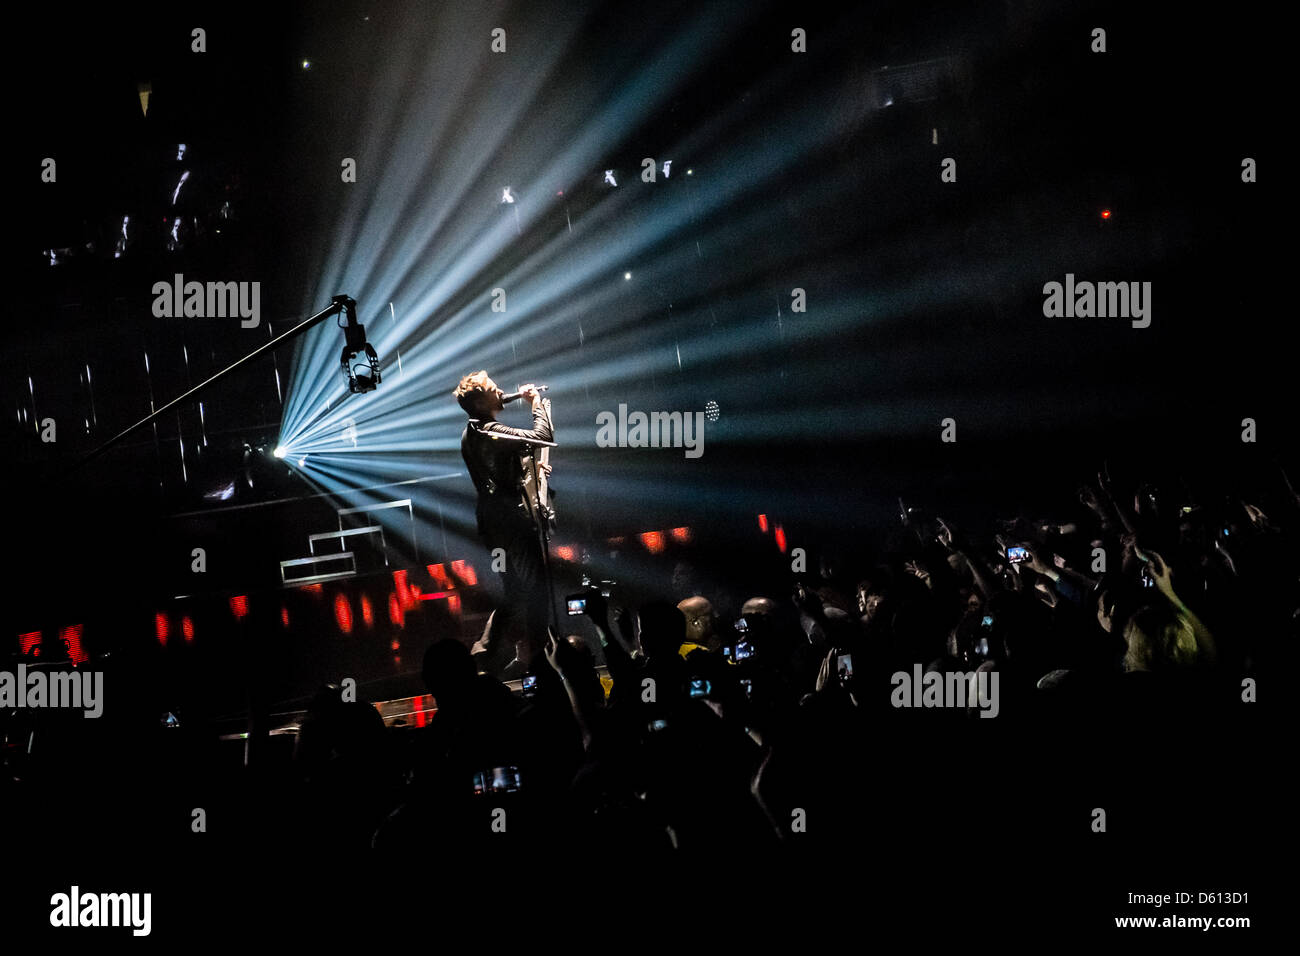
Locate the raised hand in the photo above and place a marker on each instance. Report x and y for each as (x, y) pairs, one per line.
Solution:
(945, 534)
(553, 651)
(1159, 570)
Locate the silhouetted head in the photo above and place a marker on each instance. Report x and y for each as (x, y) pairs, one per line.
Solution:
(699, 620)
(448, 671)
(479, 395)
(663, 628)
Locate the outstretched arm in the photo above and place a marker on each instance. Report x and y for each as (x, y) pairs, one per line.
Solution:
(1163, 579)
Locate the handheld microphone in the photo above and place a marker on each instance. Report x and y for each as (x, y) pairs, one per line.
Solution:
(515, 396)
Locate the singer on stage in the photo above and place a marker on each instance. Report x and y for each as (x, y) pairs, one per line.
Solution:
(495, 456)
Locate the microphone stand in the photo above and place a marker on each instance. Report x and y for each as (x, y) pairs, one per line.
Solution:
(542, 520)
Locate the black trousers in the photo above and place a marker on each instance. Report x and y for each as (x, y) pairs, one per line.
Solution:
(525, 611)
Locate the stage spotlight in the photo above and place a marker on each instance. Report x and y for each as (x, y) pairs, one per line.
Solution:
(609, 177)
(359, 362)
(627, 275)
(506, 197)
(280, 451)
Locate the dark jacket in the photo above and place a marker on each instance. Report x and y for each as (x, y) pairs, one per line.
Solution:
(495, 467)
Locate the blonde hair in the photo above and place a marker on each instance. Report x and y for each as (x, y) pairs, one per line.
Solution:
(1159, 640)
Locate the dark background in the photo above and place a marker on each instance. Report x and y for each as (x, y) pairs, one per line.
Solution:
(1046, 135)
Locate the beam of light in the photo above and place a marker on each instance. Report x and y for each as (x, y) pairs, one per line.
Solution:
(421, 241)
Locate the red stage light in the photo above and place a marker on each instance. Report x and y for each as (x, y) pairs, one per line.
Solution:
(29, 640)
(403, 589)
(453, 603)
(313, 588)
(395, 610)
(343, 613)
(564, 552)
(284, 616)
(239, 606)
(439, 574)
(780, 539)
(367, 612)
(71, 636)
(762, 523)
(465, 571)
(653, 541)
(681, 534)
(187, 628)
(161, 627)
(1105, 214)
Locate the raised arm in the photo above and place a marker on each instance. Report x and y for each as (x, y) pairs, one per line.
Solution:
(541, 430)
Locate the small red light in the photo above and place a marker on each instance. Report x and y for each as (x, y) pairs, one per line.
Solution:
(762, 523)
(239, 606)
(29, 640)
(284, 616)
(780, 539)
(1105, 214)
(187, 628)
(653, 541)
(681, 534)
(161, 628)
(343, 613)
(564, 552)
(367, 612)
